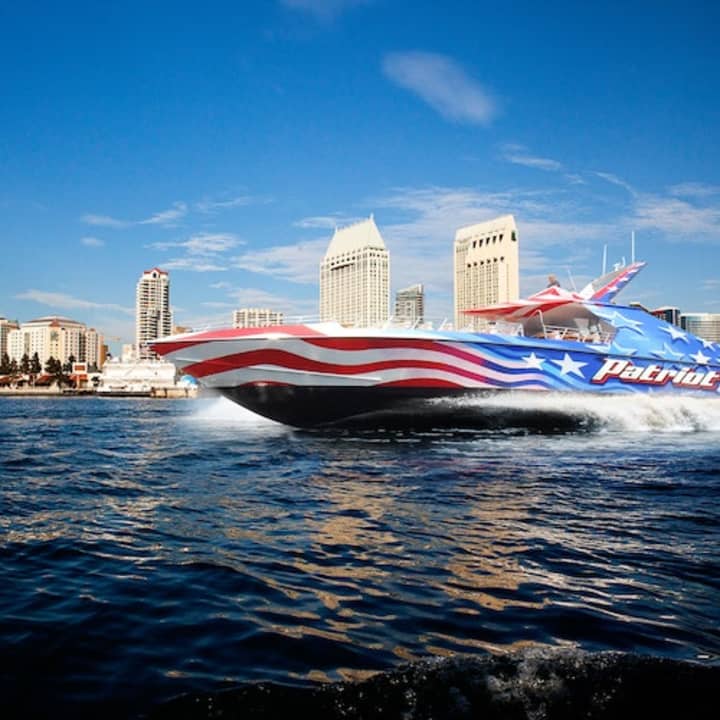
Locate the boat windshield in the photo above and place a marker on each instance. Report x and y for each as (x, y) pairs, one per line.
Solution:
(573, 321)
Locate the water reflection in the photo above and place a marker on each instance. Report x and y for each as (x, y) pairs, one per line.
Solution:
(202, 548)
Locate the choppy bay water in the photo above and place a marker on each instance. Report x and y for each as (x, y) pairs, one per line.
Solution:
(150, 548)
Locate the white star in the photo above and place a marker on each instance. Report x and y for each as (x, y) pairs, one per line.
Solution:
(533, 361)
(706, 344)
(699, 358)
(670, 351)
(624, 351)
(674, 333)
(568, 366)
(667, 350)
(634, 325)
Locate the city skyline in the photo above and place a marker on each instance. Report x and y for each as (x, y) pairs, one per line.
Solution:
(226, 151)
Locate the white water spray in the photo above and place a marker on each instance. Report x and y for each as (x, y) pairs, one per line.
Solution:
(222, 410)
(626, 413)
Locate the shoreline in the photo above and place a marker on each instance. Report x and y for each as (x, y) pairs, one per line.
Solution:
(155, 393)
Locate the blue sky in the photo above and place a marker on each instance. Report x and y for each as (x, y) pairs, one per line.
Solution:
(223, 141)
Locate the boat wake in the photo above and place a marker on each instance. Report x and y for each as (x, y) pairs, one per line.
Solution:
(549, 413)
(627, 413)
(533, 412)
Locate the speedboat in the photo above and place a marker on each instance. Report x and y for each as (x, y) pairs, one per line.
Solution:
(556, 341)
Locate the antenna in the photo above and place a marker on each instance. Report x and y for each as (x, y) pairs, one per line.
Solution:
(572, 282)
(632, 246)
(604, 259)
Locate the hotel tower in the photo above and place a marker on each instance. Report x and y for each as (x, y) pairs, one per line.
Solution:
(354, 277)
(153, 318)
(486, 266)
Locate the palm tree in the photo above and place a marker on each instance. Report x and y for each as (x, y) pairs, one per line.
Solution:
(54, 368)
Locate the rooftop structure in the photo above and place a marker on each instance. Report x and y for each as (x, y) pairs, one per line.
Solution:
(355, 276)
(486, 266)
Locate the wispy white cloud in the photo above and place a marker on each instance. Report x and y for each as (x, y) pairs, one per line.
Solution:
(694, 189)
(166, 218)
(442, 84)
(193, 264)
(678, 220)
(222, 285)
(217, 305)
(92, 242)
(68, 302)
(104, 221)
(321, 222)
(204, 252)
(211, 206)
(324, 9)
(575, 179)
(519, 155)
(206, 244)
(298, 263)
(615, 180)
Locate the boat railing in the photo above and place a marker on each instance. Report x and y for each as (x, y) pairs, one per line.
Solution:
(564, 332)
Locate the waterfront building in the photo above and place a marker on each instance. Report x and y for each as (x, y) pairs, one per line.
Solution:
(486, 266)
(668, 314)
(153, 318)
(355, 276)
(56, 337)
(136, 377)
(94, 356)
(256, 317)
(704, 325)
(5, 327)
(410, 305)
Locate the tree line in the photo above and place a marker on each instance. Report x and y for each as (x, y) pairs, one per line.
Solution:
(31, 367)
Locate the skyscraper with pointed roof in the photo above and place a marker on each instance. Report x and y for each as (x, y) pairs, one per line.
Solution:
(355, 276)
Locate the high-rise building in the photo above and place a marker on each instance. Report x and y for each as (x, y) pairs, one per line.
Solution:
(5, 327)
(256, 317)
(56, 337)
(486, 264)
(355, 276)
(410, 305)
(704, 325)
(153, 318)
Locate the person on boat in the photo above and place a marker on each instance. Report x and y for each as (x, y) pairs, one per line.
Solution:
(553, 281)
